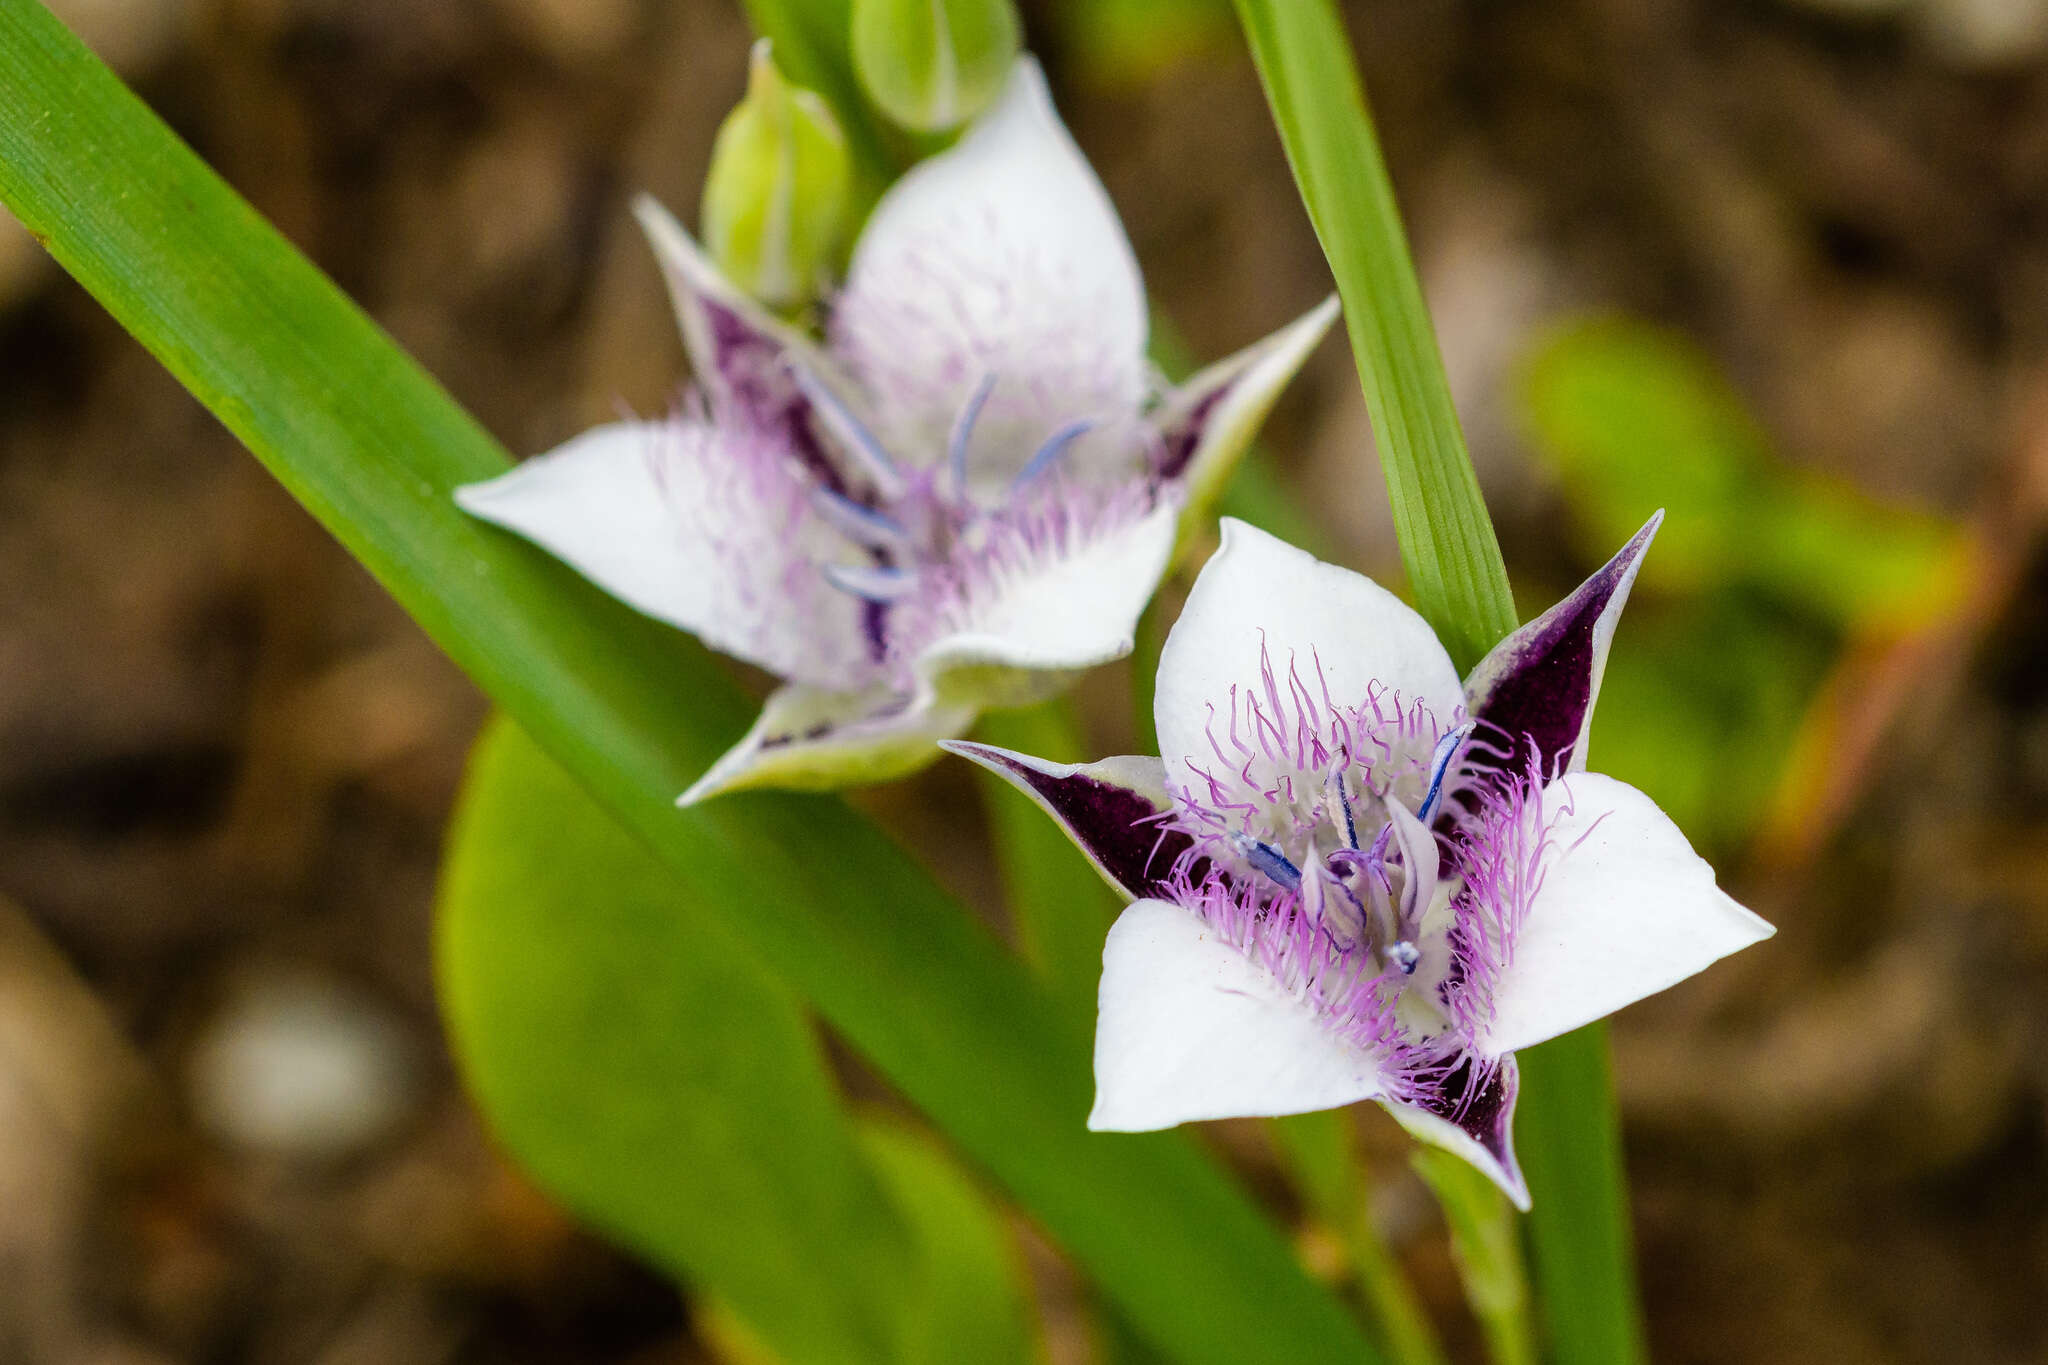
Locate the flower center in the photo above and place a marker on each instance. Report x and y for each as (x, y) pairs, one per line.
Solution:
(1374, 857)
(928, 540)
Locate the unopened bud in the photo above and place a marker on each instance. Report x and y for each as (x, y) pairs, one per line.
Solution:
(933, 64)
(775, 201)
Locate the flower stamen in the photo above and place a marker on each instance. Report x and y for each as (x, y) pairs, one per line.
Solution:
(853, 435)
(1055, 446)
(963, 430)
(871, 582)
(863, 525)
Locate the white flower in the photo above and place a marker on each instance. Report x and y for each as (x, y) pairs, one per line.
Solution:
(964, 494)
(1355, 877)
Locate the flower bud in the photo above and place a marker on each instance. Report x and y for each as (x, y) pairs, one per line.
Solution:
(775, 200)
(933, 64)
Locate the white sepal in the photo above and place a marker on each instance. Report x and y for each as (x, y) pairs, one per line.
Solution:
(1001, 256)
(808, 739)
(1624, 910)
(696, 527)
(1190, 1028)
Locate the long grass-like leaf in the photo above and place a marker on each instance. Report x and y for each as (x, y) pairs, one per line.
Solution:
(1567, 1128)
(373, 447)
(1447, 542)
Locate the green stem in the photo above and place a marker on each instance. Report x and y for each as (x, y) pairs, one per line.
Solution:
(1568, 1127)
(1447, 541)
(1403, 1325)
(1482, 1224)
(1579, 1232)
(1316, 1150)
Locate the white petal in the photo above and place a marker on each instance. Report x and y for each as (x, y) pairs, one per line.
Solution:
(1260, 598)
(1207, 423)
(696, 527)
(1059, 612)
(1191, 1028)
(808, 739)
(1000, 256)
(1626, 908)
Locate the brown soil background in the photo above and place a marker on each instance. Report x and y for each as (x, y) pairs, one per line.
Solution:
(226, 758)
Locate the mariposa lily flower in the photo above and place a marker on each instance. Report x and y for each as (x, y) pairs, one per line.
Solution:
(966, 493)
(1353, 876)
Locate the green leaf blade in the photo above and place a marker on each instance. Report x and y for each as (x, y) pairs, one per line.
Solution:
(647, 1072)
(1567, 1129)
(1447, 543)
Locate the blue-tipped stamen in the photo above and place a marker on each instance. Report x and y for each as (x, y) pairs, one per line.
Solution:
(963, 431)
(853, 435)
(1270, 862)
(871, 583)
(1055, 446)
(858, 522)
(1439, 765)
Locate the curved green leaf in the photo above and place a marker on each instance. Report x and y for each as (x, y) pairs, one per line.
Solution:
(968, 1306)
(648, 1072)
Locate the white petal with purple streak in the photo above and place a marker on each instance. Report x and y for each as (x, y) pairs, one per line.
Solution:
(739, 352)
(1500, 1166)
(1540, 683)
(1206, 424)
(1625, 909)
(1109, 808)
(1190, 1028)
(706, 528)
(1001, 256)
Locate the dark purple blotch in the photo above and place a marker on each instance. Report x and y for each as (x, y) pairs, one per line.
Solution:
(752, 377)
(1118, 827)
(1478, 1097)
(1179, 440)
(1530, 696)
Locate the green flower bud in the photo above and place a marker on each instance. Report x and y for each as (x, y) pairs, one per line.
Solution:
(775, 201)
(933, 64)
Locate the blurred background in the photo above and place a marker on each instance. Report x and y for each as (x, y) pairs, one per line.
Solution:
(1779, 265)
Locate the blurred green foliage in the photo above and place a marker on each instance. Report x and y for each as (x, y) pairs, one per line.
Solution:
(1632, 417)
(1483, 1243)
(1129, 43)
(1761, 573)
(656, 1080)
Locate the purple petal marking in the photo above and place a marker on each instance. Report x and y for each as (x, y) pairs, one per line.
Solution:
(1477, 1096)
(1180, 438)
(1532, 697)
(1117, 826)
(749, 378)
